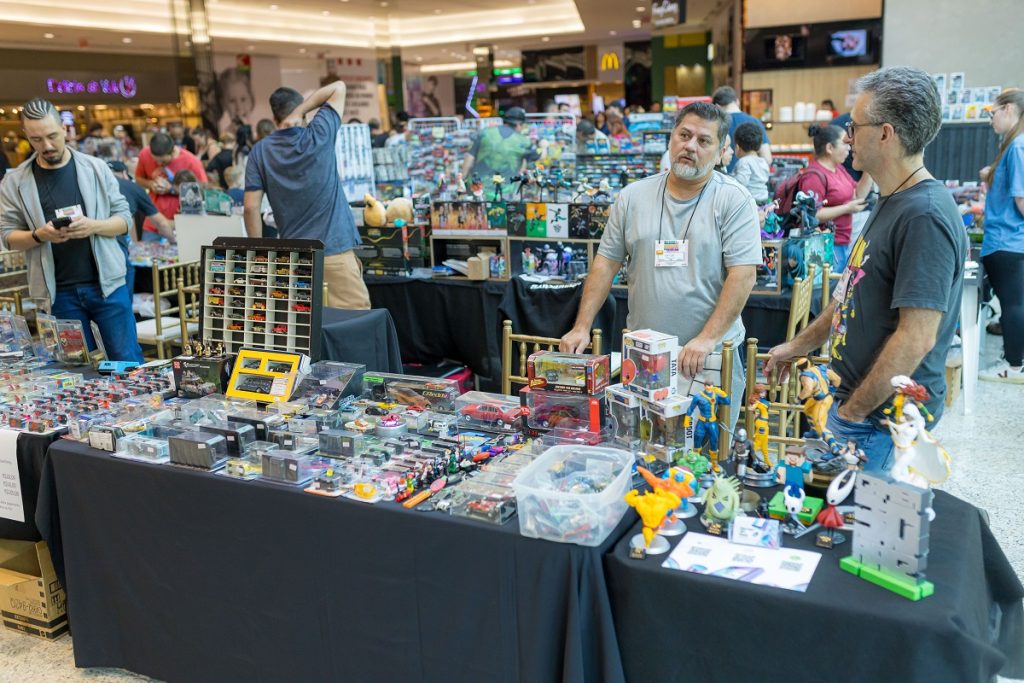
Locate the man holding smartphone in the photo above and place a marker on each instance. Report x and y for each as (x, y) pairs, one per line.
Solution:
(80, 267)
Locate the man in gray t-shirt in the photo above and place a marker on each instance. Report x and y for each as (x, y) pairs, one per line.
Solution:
(699, 298)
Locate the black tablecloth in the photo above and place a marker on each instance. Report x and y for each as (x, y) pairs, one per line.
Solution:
(673, 625)
(187, 576)
(461, 319)
(31, 452)
(366, 337)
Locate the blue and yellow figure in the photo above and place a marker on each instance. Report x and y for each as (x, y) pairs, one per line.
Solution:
(818, 384)
(759, 405)
(706, 430)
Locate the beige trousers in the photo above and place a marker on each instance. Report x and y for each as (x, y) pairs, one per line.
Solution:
(343, 274)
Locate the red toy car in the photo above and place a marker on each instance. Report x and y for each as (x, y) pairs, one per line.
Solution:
(552, 416)
(258, 316)
(491, 413)
(280, 329)
(303, 308)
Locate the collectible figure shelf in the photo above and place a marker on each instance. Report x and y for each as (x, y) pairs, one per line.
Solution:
(270, 303)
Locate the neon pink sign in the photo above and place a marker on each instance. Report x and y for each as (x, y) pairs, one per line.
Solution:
(124, 86)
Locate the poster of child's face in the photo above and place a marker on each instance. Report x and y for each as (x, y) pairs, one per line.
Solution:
(234, 90)
(243, 89)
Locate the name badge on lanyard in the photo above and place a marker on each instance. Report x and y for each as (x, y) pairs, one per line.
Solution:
(671, 253)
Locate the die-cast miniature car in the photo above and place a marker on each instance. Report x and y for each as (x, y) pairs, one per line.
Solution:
(280, 329)
(278, 294)
(258, 316)
(302, 308)
(491, 413)
(259, 305)
(216, 290)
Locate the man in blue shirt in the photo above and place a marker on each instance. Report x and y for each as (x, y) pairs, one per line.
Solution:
(725, 97)
(298, 169)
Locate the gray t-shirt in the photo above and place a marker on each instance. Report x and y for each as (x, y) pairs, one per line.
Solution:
(724, 232)
(911, 254)
(752, 173)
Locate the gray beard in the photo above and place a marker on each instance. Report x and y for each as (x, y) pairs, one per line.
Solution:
(684, 172)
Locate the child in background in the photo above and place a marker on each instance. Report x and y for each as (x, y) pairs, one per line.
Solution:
(235, 176)
(751, 170)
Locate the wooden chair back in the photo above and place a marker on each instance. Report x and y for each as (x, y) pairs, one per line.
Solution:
(526, 344)
(189, 297)
(800, 304)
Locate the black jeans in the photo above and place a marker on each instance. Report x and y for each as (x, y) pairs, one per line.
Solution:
(1005, 270)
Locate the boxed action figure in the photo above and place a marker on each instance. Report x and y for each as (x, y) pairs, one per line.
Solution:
(650, 363)
(624, 409)
(570, 372)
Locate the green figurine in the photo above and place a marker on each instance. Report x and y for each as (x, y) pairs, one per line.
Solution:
(721, 504)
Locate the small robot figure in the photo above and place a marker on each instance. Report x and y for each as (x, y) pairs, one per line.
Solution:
(743, 453)
(706, 432)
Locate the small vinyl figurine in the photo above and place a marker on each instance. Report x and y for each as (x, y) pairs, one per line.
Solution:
(706, 432)
(220, 349)
(743, 453)
(186, 348)
(567, 255)
(721, 505)
(759, 404)
(829, 518)
(853, 455)
(499, 182)
(818, 384)
(476, 188)
(652, 507)
(550, 261)
(699, 465)
(791, 474)
(529, 261)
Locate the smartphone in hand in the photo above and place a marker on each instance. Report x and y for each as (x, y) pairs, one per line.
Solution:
(62, 222)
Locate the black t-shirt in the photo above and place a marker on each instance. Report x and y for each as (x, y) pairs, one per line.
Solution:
(220, 163)
(73, 261)
(139, 203)
(910, 255)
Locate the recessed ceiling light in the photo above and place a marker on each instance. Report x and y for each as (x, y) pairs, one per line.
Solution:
(384, 4)
(273, 7)
(613, 33)
(636, 23)
(641, 9)
(48, 36)
(81, 107)
(302, 50)
(126, 40)
(250, 48)
(418, 58)
(326, 13)
(546, 39)
(437, 11)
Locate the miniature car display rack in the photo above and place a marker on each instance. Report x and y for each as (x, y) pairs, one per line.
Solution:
(264, 294)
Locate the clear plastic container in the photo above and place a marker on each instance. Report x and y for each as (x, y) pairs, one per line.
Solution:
(573, 494)
(480, 410)
(287, 467)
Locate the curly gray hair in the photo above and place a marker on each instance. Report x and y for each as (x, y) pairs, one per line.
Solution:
(907, 99)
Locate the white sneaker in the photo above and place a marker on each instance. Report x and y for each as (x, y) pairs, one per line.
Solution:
(1002, 371)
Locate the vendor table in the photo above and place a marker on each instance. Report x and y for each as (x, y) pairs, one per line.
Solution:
(366, 337)
(188, 576)
(461, 319)
(673, 625)
(30, 454)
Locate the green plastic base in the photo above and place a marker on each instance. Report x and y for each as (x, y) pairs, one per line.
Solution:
(899, 584)
(812, 506)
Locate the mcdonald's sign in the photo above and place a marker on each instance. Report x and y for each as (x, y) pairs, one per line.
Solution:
(610, 61)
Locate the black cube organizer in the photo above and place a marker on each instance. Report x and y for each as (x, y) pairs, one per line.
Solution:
(263, 294)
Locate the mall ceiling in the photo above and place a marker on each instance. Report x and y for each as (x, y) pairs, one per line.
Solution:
(426, 31)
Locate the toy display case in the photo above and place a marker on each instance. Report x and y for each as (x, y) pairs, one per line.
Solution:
(769, 273)
(480, 410)
(650, 363)
(550, 410)
(555, 136)
(484, 501)
(568, 372)
(624, 413)
(237, 435)
(573, 494)
(619, 169)
(437, 147)
(287, 467)
(198, 449)
(427, 393)
(264, 294)
(266, 376)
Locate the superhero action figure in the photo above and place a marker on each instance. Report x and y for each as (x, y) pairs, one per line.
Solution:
(706, 430)
(818, 384)
(907, 388)
(759, 405)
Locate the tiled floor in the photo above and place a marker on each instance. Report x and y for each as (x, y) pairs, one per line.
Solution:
(983, 444)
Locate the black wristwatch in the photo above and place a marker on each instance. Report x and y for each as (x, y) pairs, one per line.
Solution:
(35, 237)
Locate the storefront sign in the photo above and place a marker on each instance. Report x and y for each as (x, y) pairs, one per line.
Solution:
(610, 62)
(124, 86)
(668, 13)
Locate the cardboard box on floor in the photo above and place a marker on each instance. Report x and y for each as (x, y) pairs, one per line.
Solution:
(31, 598)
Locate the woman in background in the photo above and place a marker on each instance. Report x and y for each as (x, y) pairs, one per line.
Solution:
(1002, 249)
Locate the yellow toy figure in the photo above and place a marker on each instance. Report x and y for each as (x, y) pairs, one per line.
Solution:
(759, 404)
(706, 431)
(652, 507)
(817, 385)
(906, 387)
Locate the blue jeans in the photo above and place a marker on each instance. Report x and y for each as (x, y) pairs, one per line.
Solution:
(113, 315)
(840, 255)
(129, 274)
(148, 236)
(876, 444)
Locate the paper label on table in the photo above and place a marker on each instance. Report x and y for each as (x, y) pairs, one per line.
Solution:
(784, 568)
(279, 386)
(11, 505)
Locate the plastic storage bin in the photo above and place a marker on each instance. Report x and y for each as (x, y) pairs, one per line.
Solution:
(573, 494)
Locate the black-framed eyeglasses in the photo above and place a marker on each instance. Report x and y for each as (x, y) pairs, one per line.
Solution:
(851, 127)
